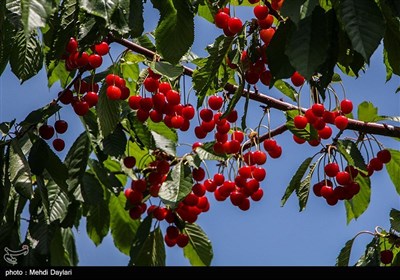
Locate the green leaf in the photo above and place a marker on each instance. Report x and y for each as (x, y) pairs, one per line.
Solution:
(393, 168)
(363, 23)
(34, 14)
(57, 170)
(295, 182)
(56, 71)
(123, 228)
(152, 252)
(20, 173)
(119, 20)
(395, 219)
(292, 9)
(98, 220)
(304, 190)
(175, 30)
(100, 8)
(391, 43)
(58, 255)
(164, 143)
(141, 132)
(344, 255)
(278, 61)
(162, 129)
(204, 77)
(142, 233)
(69, 246)
(77, 159)
(166, 69)
(308, 46)
(135, 19)
(360, 202)
(38, 157)
(367, 112)
(40, 115)
(5, 45)
(336, 78)
(108, 113)
(307, 133)
(235, 98)
(114, 144)
(286, 89)
(371, 256)
(177, 186)
(206, 152)
(26, 57)
(199, 250)
(105, 177)
(58, 201)
(348, 149)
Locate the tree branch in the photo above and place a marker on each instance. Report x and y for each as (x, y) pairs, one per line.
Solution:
(356, 125)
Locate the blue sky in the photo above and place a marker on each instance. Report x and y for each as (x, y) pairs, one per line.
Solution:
(267, 234)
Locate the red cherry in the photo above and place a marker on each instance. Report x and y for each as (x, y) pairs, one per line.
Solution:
(259, 157)
(95, 60)
(310, 116)
(386, 256)
(277, 4)
(319, 123)
(177, 121)
(298, 140)
(257, 195)
(91, 98)
(376, 164)
(341, 122)
(172, 232)
(129, 162)
(134, 102)
(329, 117)
(232, 116)
(234, 146)
(253, 1)
(235, 25)
(346, 106)
(102, 48)
(245, 171)
(318, 109)
(199, 132)
(384, 156)
(261, 11)
(46, 131)
(265, 77)
(269, 144)
(238, 136)
(317, 188)
(325, 133)
(331, 169)
(343, 178)
(135, 212)
(251, 76)
(267, 34)
(173, 97)
(182, 240)
(61, 126)
(146, 104)
(236, 198)
(198, 174)
(58, 144)
(188, 112)
(327, 191)
(210, 185)
(81, 59)
(151, 84)
(72, 45)
(314, 142)
(66, 96)
(297, 79)
(113, 92)
(245, 205)
(81, 107)
(276, 152)
(300, 122)
(215, 102)
(266, 22)
(199, 189)
(259, 173)
(164, 87)
(221, 20)
(218, 179)
(206, 114)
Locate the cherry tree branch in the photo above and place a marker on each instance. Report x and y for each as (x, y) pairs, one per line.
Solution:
(356, 125)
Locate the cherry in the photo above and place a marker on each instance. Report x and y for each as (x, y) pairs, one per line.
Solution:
(228, 33)
(329, 117)
(72, 45)
(81, 59)
(332, 200)
(172, 232)
(235, 25)
(199, 132)
(257, 195)
(198, 174)
(199, 189)
(386, 256)
(58, 144)
(215, 102)
(277, 4)
(188, 112)
(177, 121)
(310, 116)
(173, 97)
(134, 102)
(318, 109)
(135, 212)
(259, 157)
(265, 77)
(129, 161)
(259, 173)
(113, 93)
(314, 142)
(95, 60)
(253, 1)
(208, 126)
(384, 156)
(237, 135)
(325, 133)
(66, 96)
(326, 191)
(61, 126)
(210, 185)
(297, 79)
(266, 22)
(236, 198)
(218, 179)
(151, 84)
(46, 131)
(102, 48)
(276, 152)
(300, 121)
(245, 171)
(269, 144)
(91, 98)
(81, 107)
(182, 240)
(245, 205)
(317, 188)
(234, 146)
(125, 93)
(261, 11)
(267, 34)
(221, 20)
(376, 164)
(146, 103)
(298, 140)
(251, 76)
(346, 106)
(232, 116)
(110, 79)
(331, 169)
(206, 114)
(341, 122)
(343, 178)
(136, 185)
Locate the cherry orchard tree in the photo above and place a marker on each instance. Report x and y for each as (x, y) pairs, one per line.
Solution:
(124, 173)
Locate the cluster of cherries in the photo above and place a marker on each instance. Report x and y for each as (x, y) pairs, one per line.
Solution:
(47, 132)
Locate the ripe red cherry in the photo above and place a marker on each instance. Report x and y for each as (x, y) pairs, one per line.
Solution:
(257, 195)
(253, 1)
(66, 96)
(251, 76)
(58, 144)
(384, 156)
(245, 205)
(300, 122)
(376, 164)
(277, 4)
(238, 136)
(297, 79)
(81, 59)
(235, 25)
(232, 116)
(173, 97)
(215, 102)
(266, 22)
(206, 114)
(343, 178)
(259, 157)
(331, 169)
(95, 60)
(341, 122)
(317, 188)
(198, 174)
(129, 162)
(221, 20)
(259, 173)
(46, 131)
(325, 133)
(267, 34)
(386, 256)
(113, 93)
(265, 77)
(72, 45)
(218, 179)
(151, 84)
(276, 152)
(81, 107)
(261, 11)
(269, 144)
(346, 106)
(298, 140)
(327, 191)
(177, 121)
(102, 48)
(182, 240)
(172, 232)
(134, 102)
(61, 126)
(236, 198)
(91, 98)
(188, 112)
(318, 109)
